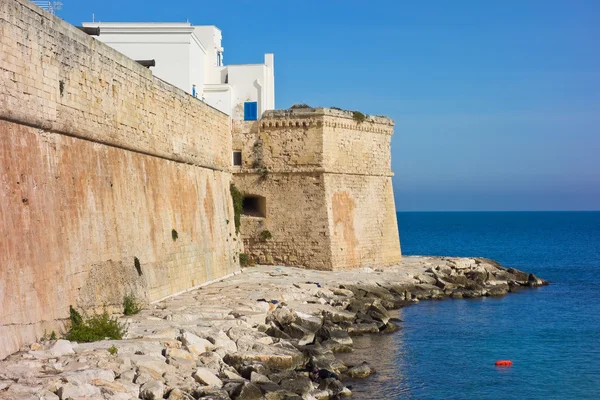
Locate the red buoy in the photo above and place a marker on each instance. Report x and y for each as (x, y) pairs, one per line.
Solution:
(503, 363)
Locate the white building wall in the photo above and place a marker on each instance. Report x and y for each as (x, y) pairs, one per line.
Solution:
(219, 97)
(197, 68)
(179, 55)
(190, 55)
(210, 36)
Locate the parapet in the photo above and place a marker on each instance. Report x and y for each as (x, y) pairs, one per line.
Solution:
(299, 116)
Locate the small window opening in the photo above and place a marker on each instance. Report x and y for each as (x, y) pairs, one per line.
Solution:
(237, 158)
(254, 206)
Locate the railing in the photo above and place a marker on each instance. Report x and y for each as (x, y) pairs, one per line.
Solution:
(51, 6)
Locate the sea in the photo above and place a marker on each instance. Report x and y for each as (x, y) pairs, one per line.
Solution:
(446, 349)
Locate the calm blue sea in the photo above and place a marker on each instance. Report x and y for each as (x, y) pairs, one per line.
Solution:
(446, 349)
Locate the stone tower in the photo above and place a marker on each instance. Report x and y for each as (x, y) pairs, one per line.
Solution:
(317, 186)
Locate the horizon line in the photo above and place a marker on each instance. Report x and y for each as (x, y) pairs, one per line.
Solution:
(499, 211)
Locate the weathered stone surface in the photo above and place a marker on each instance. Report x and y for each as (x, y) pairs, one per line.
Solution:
(153, 390)
(258, 362)
(88, 376)
(207, 377)
(75, 390)
(360, 371)
(114, 135)
(247, 391)
(179, 353)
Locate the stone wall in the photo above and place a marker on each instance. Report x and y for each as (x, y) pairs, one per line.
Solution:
(111, 181)
(362, 221)
(314, 166)
(296, 217)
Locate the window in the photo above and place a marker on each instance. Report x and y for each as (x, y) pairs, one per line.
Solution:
(254, 206)
(237, 158)
(250, 111)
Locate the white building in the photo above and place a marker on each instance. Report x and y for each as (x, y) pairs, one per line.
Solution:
(191, 58)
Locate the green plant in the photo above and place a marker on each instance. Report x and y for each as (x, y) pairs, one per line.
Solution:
(113, 350)
(138, 266)
(358, 116)
(336, 108)
(98, 327)
(53, 336)
(174, 234)
(256, 164)
(131, 305)
(238, 206)
(244, 259)
(263, 173)
(302, 105)
(75, 317)
(265, 235)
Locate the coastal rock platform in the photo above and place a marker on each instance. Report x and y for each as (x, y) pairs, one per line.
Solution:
(265, 333)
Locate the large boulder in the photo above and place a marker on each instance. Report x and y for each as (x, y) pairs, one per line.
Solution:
(207, 377)
(75, 390)
(360, 371)
(152, 390)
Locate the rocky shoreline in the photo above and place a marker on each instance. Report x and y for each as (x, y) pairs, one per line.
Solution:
(266, 333)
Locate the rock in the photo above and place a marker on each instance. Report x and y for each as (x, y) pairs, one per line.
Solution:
(333, 386)
(206, 377)
(445, 285)
(231, 376)
(361, 371)
(61, 348)
(336, 347)
(520, 276)
(390, 327)
(116, 387)
(272, 357)
(534, 281)
(247, 391)
(498, 289)
(163, 334)
(182, 363)
(362, 328)
(257, 378)
(337, 316)
(177, 394)
(378, 312)
(300, 385)
(179, 353)
(152, 390)
(311, 323)
(282, 316)
(88, 376)
(47, 395)
(304, 335)
(127, 376)
(194, 344)
(154, 365)
(422, 278)
(74, 390)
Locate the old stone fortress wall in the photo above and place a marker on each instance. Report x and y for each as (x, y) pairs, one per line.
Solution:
(113, 182)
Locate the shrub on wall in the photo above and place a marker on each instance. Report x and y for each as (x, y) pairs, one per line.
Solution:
(244, 259)
(131, 305)
(238, 205)
(358, 116)
(265, 235)
(98, 327)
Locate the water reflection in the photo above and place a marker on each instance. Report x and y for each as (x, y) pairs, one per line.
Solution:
(388, 355)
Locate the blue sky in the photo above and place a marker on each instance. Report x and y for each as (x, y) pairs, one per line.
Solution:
(496, 103)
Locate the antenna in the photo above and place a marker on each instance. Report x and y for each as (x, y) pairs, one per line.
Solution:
(51, 6)
(93, 18)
